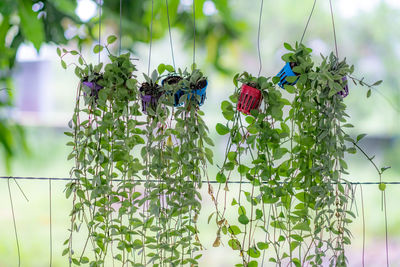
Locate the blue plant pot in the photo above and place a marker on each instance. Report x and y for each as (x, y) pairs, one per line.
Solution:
(200, 92)
(285, 72)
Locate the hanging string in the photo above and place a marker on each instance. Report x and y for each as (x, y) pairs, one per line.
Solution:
(99, 4)
(194, 32)
(15, 224)
(334, 30)
(170, 36)
(151, 35)
(363, 225)
(308, 21)
(120, 26)
(258, 39)
(386, 231)
(51, 226)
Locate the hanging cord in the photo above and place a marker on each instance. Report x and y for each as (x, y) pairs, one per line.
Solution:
(386, 231)
(194, 32)
(15, 224)
(100, 5)
(363, 223)
(308, 21)
(170, 36)
(51, 226)
(120, 26)
(334, 30)
(258, 39)
(151, 35)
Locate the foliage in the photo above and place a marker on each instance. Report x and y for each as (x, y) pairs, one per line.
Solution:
(292, 155)
(157, 225)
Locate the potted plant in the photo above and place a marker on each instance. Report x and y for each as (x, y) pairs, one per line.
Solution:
(293, 198)
(105, 172)
(298, 61)
(192, 85)
(250, 96)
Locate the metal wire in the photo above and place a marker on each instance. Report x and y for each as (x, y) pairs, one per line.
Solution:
(334, 30)
(258, 38)
(170, 36)
(151, 36)
(157, 181)
(308, 21)
(120, 26)
(194, 32)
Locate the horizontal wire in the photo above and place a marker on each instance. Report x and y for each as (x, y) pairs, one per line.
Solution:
(157, 181)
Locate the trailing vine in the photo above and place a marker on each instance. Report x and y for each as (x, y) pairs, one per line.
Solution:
(291, 150)
(105, 130)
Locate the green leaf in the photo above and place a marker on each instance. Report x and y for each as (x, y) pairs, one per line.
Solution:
(169, 68)
(253, 252)
(243, 219)
(288, 47)
(262, 245)
(221, 129)
(368, 93)
(233, 229)
(63, 64)
(377, 83)
(161, 68)
(352, 150)
(382, 186)
(360, 136)
(111, 39)
(58, 51)
(221, 178)
(31, 27)
(234, 244)
(252, 264)
(302, 226)
(97, 49)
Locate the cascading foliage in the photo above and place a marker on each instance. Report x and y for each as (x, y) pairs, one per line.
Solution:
(295, 209)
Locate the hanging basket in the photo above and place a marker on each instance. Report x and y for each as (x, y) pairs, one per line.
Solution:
(149, 96)
(94, 88)
(201, 92)
(249, 99)
(345, 91)
(149, 101)
(285, 72)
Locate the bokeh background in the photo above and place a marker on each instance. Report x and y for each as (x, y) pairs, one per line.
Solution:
(39, 99)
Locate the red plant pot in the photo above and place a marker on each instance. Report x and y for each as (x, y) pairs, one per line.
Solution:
(249, 99)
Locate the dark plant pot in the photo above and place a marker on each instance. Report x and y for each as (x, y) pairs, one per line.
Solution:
(178, 94)
(94, 88)
(345, 91)
(249, 99)
(285, 72)
(149, 101)
(202, 93)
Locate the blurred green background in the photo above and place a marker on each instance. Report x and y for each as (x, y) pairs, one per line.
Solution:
(43, 96)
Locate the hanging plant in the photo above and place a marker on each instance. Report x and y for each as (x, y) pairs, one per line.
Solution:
(250, 96)
(105, 131)
(293, 199)
(175, 158)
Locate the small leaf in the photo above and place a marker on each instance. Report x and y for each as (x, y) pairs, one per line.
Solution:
(262, 245)
(382, 186)
(377, 83)
(233, 229)
(360, 136)
(221, 178)
(243, 219)
(161, 68)
(369, 93)
(58, 51)
(384, 169)
(63, 64)
(111, 39)
(221, 129)
(97, 49)
(288, 47)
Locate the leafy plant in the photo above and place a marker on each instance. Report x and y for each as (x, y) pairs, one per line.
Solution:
(105, 131)
(289, 157)
(175, 158)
